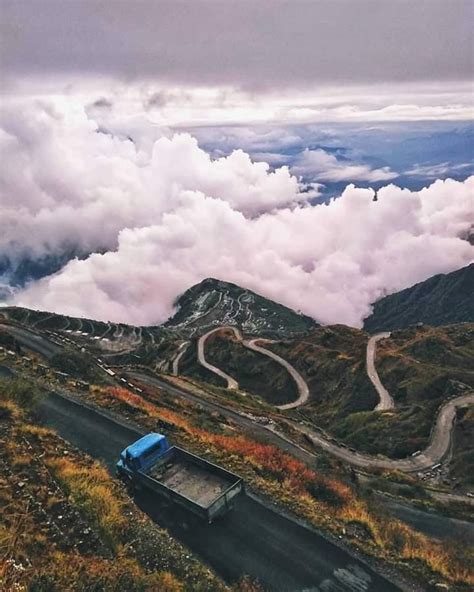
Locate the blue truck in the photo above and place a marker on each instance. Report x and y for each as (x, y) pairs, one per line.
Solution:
(205, 489)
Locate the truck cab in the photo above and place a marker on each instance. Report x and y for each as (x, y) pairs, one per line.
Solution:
(142, 454)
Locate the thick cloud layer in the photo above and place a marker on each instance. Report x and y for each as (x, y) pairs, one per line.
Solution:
(242, 44)
(65, 183)
(167, 219)
(193, 62)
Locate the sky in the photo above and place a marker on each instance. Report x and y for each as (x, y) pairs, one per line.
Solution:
(148, 145)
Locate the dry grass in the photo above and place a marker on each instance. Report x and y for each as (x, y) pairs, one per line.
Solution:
(91, 492)
(8, 410)
(78, 536)
(411, 545)
(266, 459)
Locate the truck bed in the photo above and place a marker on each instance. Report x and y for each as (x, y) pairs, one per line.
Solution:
(190, 480)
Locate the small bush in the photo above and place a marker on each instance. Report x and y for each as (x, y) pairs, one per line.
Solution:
(74, 363)
(324, 491)
(21, 392)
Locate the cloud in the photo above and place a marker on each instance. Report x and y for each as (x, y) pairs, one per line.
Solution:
(322, 166)
(192, 63)
(65, 183)
(102, 103)
(329, 261)
(167, 218)
(437, 170)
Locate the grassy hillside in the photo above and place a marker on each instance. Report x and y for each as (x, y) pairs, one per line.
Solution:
(321, 498)
(332, 361)
(96, 508)
(255, 373)
(421, 367)
(440, 300)
(461, 467)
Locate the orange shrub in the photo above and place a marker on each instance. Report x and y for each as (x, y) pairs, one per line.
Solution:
(269, 458)
(129, 398)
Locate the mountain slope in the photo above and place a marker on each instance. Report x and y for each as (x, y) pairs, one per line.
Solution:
(421, 367)
(213, 302)
(440, 300)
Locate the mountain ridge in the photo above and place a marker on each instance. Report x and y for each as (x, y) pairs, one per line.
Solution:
(440, 300)
(214, 302)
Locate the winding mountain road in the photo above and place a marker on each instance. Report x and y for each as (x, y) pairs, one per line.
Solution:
(181, 351)
(302, 387)
(303, 390)
(385, 399)
(437, 449)
(386, 402)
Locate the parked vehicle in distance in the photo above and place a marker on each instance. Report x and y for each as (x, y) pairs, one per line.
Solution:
(184, 478)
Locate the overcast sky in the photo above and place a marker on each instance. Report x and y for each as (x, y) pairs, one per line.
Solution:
(252, 45)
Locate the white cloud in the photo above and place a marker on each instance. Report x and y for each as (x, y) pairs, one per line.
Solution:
(325, 167)
(436, 170)
(64, 183)
(171, 217)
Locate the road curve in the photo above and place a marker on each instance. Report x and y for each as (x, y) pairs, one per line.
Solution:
(438, 447)
(33, 341)
(303, 390)
(232, 384)
(434, 453)
(302, 387)
(385, 399)
(252, 539)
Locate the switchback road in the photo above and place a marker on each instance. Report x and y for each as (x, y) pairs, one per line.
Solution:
(232, 384)
(181, 351)
(302, 387)
(438, 447)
